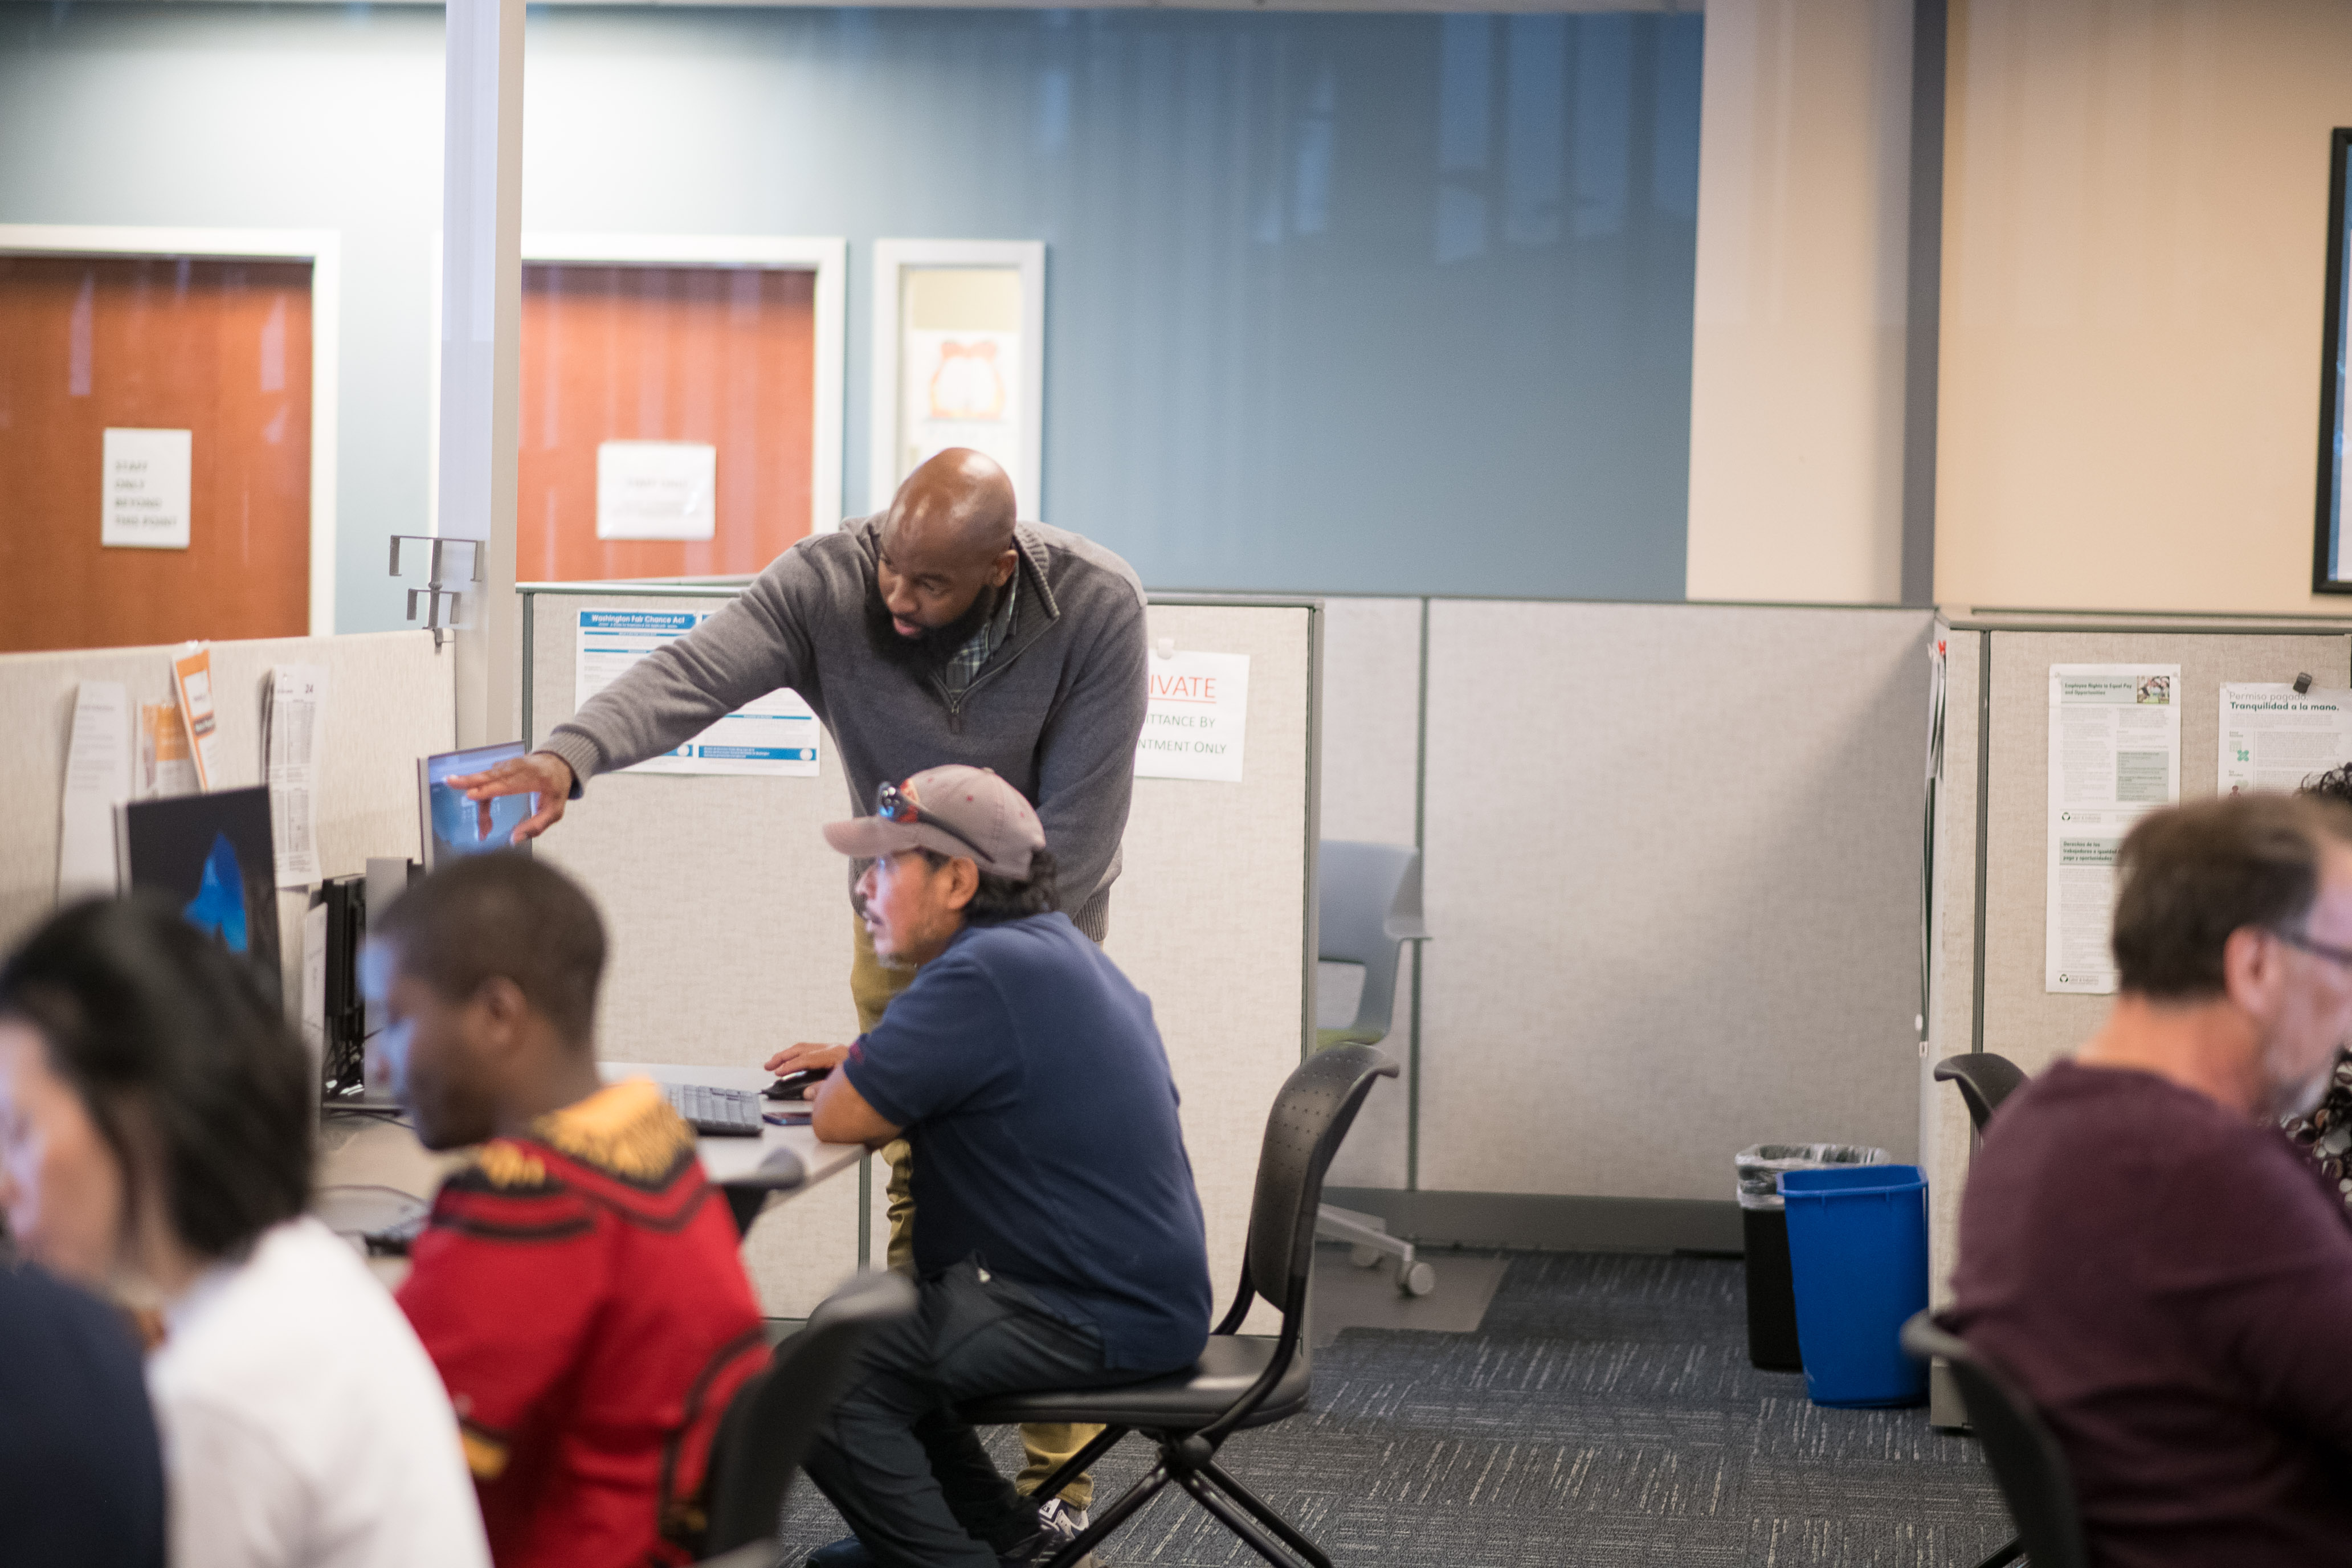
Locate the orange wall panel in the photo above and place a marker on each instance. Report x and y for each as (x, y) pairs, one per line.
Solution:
(719, 354)
(221, 349)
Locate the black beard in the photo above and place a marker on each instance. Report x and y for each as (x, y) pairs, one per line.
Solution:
(927, 651)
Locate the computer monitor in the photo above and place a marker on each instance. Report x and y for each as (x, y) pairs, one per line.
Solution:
(215, 855)
(452, 825)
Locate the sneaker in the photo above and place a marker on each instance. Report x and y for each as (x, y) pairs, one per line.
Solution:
(1060, 1521)
(1058, 1524)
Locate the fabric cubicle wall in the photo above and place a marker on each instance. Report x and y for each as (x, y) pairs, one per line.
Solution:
(1371, 792)
(1671, 874)
(1991, 840)
(390, 701)
(732, 933)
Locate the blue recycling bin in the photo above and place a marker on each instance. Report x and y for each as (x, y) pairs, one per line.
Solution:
(1858, 1253)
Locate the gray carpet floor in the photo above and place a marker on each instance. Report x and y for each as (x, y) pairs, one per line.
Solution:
(1603, 1415)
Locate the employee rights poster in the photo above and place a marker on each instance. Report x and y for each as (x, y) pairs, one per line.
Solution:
(2115, 755)
(774, 736)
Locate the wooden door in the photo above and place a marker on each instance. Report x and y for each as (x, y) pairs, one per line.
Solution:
(218, 348)
(724, 355)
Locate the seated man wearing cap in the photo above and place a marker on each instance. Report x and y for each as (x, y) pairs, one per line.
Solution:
(1057, 1235)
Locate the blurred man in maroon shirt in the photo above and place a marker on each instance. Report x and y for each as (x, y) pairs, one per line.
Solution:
(2142, 1249)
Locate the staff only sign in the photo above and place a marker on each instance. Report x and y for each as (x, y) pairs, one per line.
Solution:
(1199, 708)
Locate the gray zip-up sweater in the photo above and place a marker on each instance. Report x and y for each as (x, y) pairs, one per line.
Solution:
(1056, 709)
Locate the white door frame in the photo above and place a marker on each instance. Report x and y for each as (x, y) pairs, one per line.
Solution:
(893, 257)
(827, 257)
(324, 249)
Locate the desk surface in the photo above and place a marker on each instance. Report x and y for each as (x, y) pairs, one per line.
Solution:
(386, 1154)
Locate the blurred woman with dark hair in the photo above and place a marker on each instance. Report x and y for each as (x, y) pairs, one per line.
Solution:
(155, 1129)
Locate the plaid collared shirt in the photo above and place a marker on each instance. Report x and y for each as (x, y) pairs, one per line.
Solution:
(960, 671)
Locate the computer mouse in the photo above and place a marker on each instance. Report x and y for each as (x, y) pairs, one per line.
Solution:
(794, 1085)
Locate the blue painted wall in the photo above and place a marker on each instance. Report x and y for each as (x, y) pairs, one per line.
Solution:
(1362, 303)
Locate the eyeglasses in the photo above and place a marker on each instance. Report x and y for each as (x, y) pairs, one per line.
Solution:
(2341, 956)
(895, 805)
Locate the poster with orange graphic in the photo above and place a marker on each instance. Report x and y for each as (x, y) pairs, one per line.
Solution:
(963, 389)
(963, 335)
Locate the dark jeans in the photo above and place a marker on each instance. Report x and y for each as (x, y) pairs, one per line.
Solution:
(910, 1477)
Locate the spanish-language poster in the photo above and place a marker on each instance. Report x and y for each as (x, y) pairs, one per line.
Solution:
(2115, 755)
(774, 736)
(2274, 737)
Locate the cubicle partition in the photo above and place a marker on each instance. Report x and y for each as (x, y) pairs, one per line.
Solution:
(731, 927)
(1672, 859)
(390, 700)
(1989, 986)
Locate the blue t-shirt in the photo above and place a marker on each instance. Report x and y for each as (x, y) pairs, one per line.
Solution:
(1037, 1097)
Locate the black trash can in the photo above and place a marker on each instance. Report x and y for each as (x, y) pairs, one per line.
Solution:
(1764, 1231)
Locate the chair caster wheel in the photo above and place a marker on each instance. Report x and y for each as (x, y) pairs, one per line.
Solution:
(1363, 1257)
(1418, 1280)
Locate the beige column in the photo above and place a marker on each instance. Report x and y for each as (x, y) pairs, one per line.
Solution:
(1797, 354)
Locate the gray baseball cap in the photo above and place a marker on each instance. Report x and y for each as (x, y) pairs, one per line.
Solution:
(965, 812)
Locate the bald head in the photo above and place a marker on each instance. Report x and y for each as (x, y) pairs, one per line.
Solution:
(946, 552)
(958, 505)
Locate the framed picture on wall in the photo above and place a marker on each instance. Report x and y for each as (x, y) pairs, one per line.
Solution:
(2331, 563)
(959, 360)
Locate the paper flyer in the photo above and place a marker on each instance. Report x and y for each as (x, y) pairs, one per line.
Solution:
(192, 682)
(656, 490)
(2274, 737)
(167, 766)
(147, 485)
(1195, 716)
(98, 779)
(773, 736)
(291, 730)
(2115, 755)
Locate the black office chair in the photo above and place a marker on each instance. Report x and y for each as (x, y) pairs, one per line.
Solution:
(748, 1194)
(772, 1418)
(2025, 1457)
(1238, 1382)
(1984, 1080)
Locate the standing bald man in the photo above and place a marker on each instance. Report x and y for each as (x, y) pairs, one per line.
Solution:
(941, 631)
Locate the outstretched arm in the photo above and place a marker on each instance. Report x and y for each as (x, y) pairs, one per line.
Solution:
(759, 642)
